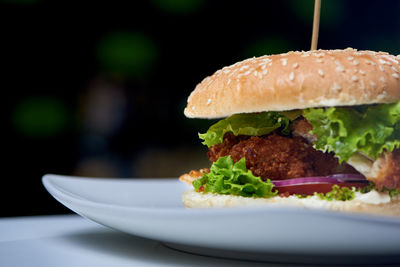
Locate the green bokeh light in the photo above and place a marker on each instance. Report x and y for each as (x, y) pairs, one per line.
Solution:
(179, 6)
(269, 46)
(127, 54)
(40, 117)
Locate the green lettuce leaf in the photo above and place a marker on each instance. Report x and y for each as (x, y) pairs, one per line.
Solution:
(253, 124)
(228, 178)
(392, 192)
(337, 193)
(369, 130)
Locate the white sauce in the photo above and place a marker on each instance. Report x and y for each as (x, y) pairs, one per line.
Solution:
(373, 197)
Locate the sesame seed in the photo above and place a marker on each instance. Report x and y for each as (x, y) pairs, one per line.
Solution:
(320, 72)
(380, 96)
(264, 72)
(385, 62)
(350, 58)
(295, 65)
(208, 101)
(381, 68)
(355, 62)
(394, 69)
(339, 69)
(263, 66)
(244, 67)
(291, 76)
(354, 78)
(395, 75)
(255, 73)
(319, 60)
(318, 54)
(284, 61)
(247, 72)
(382, 79)
(238, 87)
(227, 71)
(373, 84)
(392, 59)
(335, 88)
(338, 63)
(369, 62)
(362, 72)
(381, 61)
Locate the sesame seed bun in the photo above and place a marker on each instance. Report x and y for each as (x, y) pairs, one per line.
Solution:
(298, 80)
(371, 203)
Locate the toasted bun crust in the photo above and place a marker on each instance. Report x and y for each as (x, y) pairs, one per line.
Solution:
(298, 80)
(192, 199)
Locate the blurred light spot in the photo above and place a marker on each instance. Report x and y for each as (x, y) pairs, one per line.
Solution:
(179, 6)
(40, 117)
(269, 46)
(332, 11)
(127, 53)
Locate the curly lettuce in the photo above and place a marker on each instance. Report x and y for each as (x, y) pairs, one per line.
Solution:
(393, 192)
(369, 130)
(337, 193)
(252, 124)
(228, 178)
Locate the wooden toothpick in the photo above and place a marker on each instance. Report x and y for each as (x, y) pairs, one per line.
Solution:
(317, 11)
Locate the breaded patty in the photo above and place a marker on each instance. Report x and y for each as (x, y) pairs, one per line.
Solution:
(278, 157)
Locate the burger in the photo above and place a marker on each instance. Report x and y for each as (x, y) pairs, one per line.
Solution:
(315, 129)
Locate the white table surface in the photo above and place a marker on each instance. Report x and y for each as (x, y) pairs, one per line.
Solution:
(70, 240)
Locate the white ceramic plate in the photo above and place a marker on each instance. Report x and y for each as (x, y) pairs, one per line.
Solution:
(152, 208)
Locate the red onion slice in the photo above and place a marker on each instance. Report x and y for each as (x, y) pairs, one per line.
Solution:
(330, 179)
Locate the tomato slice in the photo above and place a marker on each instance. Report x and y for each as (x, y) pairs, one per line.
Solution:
(310, 188)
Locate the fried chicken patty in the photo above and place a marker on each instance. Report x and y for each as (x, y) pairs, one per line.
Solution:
(278, 157)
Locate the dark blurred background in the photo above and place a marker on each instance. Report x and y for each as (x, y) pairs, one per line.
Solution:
(98, 89)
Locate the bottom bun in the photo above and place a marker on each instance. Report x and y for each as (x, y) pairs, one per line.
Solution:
(372, 202)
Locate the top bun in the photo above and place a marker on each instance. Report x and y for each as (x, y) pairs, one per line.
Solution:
(298, 80)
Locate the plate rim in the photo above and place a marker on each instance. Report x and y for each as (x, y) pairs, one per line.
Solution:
(60, 193)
